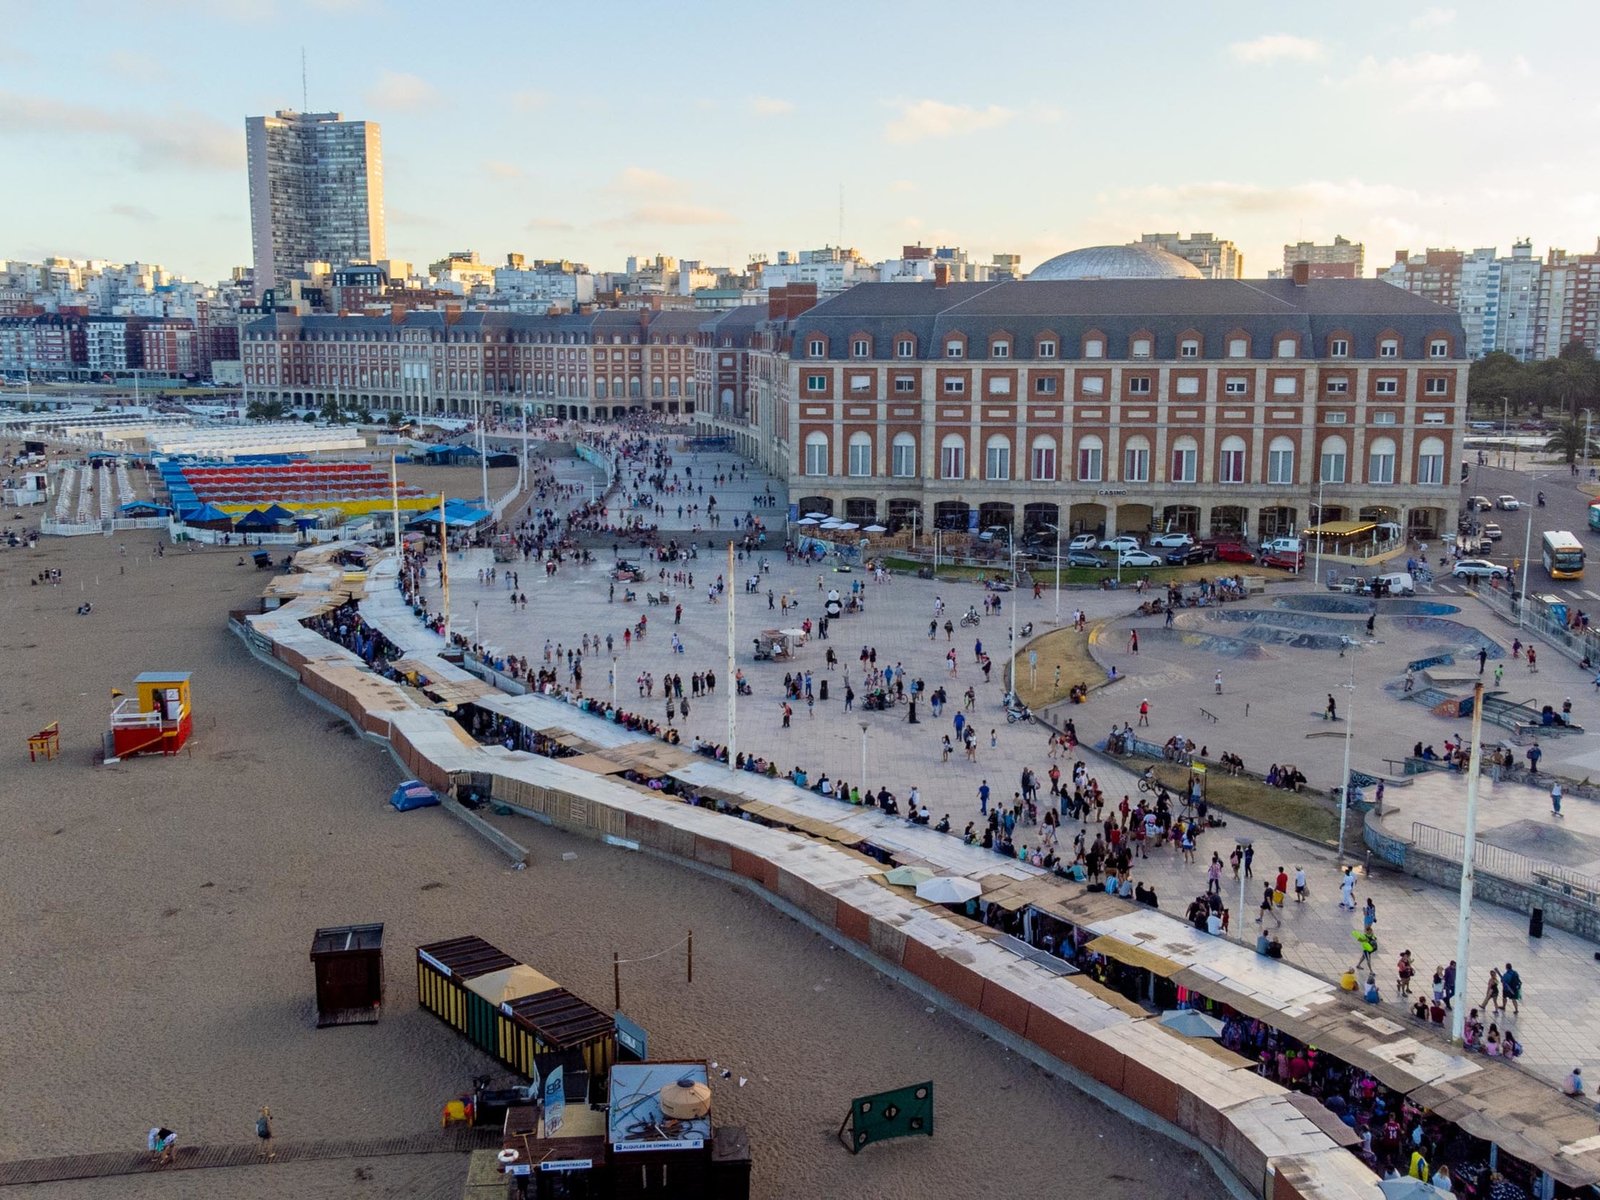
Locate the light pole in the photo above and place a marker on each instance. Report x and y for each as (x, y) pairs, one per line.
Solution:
(863, 756)
(1344, 786)
(1057, 528)
(614, 681)
(1469, 846)
(1527, 544)
(475, 638)
(1318, 580)
(1012, 666)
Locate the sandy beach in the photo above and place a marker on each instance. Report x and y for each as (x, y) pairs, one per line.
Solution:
(158, 915)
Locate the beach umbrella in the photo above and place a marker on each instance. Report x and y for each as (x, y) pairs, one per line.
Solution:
(1191, 1023)
(907, 876)
(821, 516)
(847, 526)
(1408, 1188)
(948, 889)
(875, 529)
(806, 521)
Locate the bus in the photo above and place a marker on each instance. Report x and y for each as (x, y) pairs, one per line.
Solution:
(1563, 555)
(1594, 516)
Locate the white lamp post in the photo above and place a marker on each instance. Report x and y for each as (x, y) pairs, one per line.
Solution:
(1344, 786)
(1527, 544)
(863, 756)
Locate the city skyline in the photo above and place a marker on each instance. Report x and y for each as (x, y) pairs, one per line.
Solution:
(1409, 128)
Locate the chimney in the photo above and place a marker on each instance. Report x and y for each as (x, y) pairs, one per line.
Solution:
(777, 303)
(941, 274)
(801, 298)
(1302, 274)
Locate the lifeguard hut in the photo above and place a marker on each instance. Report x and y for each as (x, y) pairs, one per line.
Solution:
(156, 719)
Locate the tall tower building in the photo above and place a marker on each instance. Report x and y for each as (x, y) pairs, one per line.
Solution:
(316, 192)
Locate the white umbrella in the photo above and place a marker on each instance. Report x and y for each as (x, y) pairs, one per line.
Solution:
(875, 529)
(1191, 1023)
(1408, 1188)
(821, 516)
(806, 521)
(948, 889)
(847, 526)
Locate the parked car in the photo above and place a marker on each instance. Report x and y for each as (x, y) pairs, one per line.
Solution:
(1183, 556)
(1474, 503)
(1288, 560)
(1121, 543)
(1082, 558)
(1084, 541)
(1507, 503)
(1171, 540)
(1138, 558)
(1233, 552)
(995, 533)
(1492, 531)
(1478, 568)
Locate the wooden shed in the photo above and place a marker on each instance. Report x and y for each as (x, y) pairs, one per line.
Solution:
(348, 962)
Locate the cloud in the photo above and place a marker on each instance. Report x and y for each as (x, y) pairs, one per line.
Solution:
(903, 185)
(1429, 81)
(1277, 47)
(405, 216)
(643, 181)
(920, 120)
(500, 169)
(547, 224)
(529, 100)
(177, 138)
(1226, 197)
(400, 89)
(771, 106)
(133, 212)
(669, 214)
(1433, 18)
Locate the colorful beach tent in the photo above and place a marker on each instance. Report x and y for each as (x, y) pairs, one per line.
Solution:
(413, 793)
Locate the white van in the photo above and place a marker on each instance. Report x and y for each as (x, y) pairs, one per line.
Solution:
(1283, 545)
(1398, 583)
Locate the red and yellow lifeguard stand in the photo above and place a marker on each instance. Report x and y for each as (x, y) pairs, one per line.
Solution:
(156, 719)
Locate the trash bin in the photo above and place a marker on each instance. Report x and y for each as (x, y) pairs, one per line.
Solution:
(1536, 923)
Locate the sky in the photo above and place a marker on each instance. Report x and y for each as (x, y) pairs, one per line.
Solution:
(722, 131)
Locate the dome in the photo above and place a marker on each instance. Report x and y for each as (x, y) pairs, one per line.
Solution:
(1116, 262)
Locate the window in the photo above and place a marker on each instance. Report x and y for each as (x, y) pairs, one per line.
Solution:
(1284, 385)
(905, 348)
(1438, 348)
(953, 457)
(860, 348)
(1189, 348)
(1093, 385)
(860, 383)
(860, 454)
(1094, 348)
(1333, 460)
(1387, 386)
(955, 348)
(1136, 460)
(1280, 461)
(1434, 418)
(1185, 456)
(1090, 454)
(816, 454)
(1044, 457)
(1000, 350)
(1336, 418)
(814, 383)
(1230, 461)
(1140, 348)
(1383, 417)
(997, 457)
(818, 348)
(954, 385)
(903, 456)
(1000, 385)
(1047, 349)
(1236, 385)
(1338, 387)
(1389, 348)
(1287, 347)
(1138, 385)
(1430, 461)
(905, 383)
(1238, 348)
(1188, 386)
(1380, 461)
(1045, 385)
(1436, 387)
(1339, 348)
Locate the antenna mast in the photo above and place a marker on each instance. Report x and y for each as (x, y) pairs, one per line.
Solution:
(305, 104)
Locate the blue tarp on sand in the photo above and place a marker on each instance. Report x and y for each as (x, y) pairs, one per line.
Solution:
(413, 793)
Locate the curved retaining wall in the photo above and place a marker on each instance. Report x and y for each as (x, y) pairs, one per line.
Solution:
(1245, 1124)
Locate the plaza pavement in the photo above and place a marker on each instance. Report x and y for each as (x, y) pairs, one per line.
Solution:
(1558, 1027)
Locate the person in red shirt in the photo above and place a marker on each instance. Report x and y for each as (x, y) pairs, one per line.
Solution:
(1282, 885)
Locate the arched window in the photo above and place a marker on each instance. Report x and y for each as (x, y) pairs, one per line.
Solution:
(1230, 460)
(1136, 459)
(1430, 461)
(1280, 460)
(903, 464)
(860, 454)
(1044, 456)
(1380, 461)
(727, 400)
(1091, 466)
(816, 454)
(997, 457)
(1335, 455)
(953, 457)
(1185, 460)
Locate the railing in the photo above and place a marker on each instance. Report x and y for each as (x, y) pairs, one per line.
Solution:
(1507, 864)
(1538, 621)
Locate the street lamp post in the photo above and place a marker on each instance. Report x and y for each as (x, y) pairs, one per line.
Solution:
(1057, 529)
(863, 756)
(1469, 846)
(1318, 580)
(1527, 545)
(1344, 785)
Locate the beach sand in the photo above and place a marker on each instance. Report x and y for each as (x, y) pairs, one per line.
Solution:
(157, 916)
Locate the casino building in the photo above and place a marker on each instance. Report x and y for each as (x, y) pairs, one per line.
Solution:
(1112, 390)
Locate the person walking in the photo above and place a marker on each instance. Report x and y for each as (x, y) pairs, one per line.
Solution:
(1299, 885)
(1499, 673)
(1217, 680)
(1368, 944)
(1214, 875)
(1144, 712)
(1266, 905)
(1280, 886)
(1404, 970)
(1511, 990)
(1249, 858)
(1534, 755)
(1347, 890)
(983, 798)
(1450, 982)
(264, 1132)
(1333, 708)
(1491, 991)
(1369, 915)
(1483, 658)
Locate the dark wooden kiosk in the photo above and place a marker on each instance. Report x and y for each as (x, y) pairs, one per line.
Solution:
(348, 961)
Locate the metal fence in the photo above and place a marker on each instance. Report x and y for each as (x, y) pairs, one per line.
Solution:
(1507, 864)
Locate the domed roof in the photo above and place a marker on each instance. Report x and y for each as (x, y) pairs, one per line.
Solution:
(1116, 262)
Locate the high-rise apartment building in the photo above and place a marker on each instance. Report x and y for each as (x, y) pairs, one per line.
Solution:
(1343, 259)
(1569, 303)
(1215, 257)
(316, 192)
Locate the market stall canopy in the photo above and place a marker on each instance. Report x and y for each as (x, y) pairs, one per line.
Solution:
(1341, 528)
(948, 889)
(908, 876)
(1191, 1023)
(875, 529)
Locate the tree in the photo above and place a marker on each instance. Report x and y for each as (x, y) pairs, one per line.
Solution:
(265, 410)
